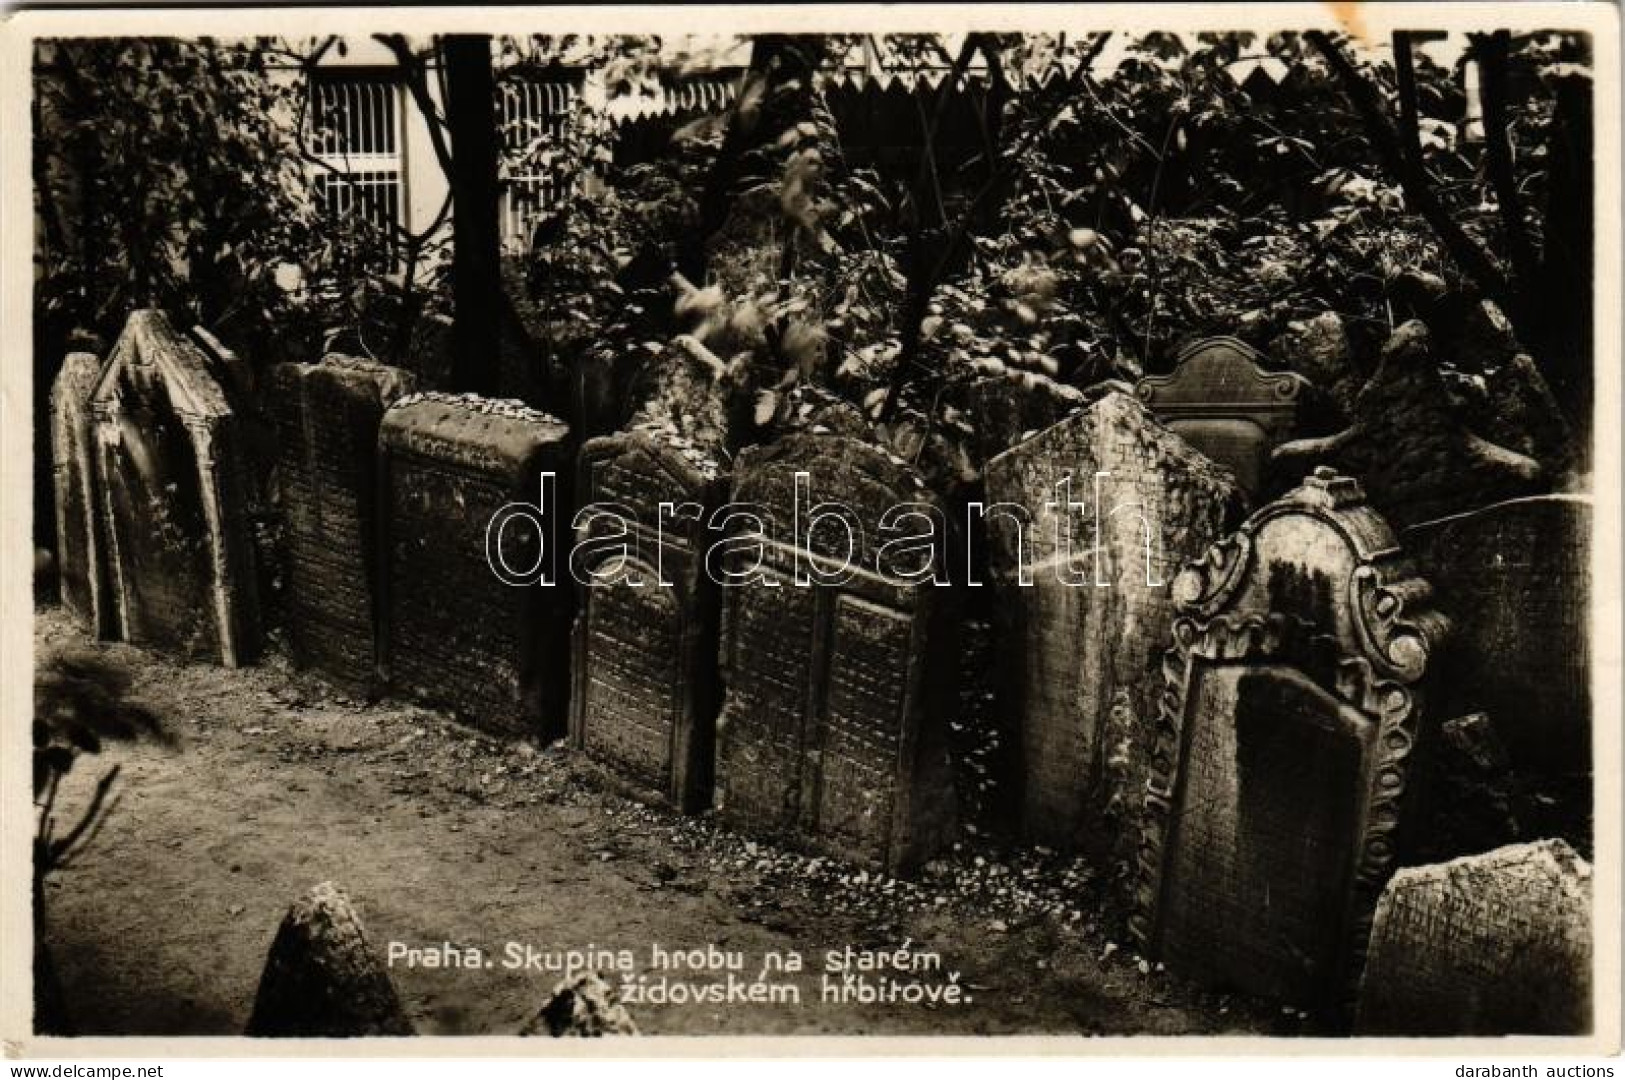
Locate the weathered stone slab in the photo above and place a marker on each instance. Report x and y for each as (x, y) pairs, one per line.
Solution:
(1491, 944)
(645, 691)
(1222, 401)
(1010, 406)
(174, 489)
(1288, 719)
(1084, 606)
(833, 733)
(327, 418)
(452, 632)
(1515, 579)
(81, 546)
(1409, 444)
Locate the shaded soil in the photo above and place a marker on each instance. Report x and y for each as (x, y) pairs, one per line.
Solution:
(441, 834)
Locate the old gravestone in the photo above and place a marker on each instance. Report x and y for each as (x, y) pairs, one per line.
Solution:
(645, 692)
(1291, 707)
(1083, 598)
(173, 485)
(452, 632)
(81, 541)
(1409, 445)
(1221, 400)
(1491, 944)
(838, 696)
(1514, 577)
(327, 417)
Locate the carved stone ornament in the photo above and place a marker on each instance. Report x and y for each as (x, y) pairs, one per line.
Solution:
(1289, 713)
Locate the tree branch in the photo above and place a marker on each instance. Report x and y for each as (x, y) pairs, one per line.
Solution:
(1492, 53)
(1473, 260)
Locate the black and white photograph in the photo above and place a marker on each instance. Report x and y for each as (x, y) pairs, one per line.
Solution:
(1080, 523)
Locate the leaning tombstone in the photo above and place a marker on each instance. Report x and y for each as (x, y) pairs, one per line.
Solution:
(1409, 444)
(327, 417)
(645, 693)
(1492, 944)
(475, 605)
(81, 544)
(1514, 577)
(838, 661)
(1291, 707)
(1222, 401)
(1087, 523)
(173, 488)
(322, 979)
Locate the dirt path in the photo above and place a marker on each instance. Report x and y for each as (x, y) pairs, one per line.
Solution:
(442, 835)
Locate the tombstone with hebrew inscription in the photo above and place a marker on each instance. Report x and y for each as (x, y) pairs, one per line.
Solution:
(173, 489)
(1497, 943)
(475, 603)
(837, 653)
(327, 418)
(81, 542)
(1291, 707)
(1222, 401)
(644, 699)
(1087, 524)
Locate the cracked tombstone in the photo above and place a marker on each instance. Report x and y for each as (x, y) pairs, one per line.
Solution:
(837, 653)
(476, 605)
(644, 646)
(1409, 445)
(327, 417)
(1220, 399)
(322, 979)
(1080, 563)
(1284, 743)
(1497, 943)
(1515, 578)
(173, 489)
(83, 571)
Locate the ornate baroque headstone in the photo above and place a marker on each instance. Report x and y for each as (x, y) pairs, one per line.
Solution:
(327, 418)
(452, 632)
(833, 733)
(1116, 505)
(1491, 944)
(1220, 399)
(173, 488)
(1290, 711)
(81, 543)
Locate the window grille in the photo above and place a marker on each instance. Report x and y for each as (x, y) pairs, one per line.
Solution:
(529, 110)
(356, 132)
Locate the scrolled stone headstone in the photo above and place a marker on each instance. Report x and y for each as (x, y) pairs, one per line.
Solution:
(1291, 708)
(174, 492)
(1222, 401)
(1492, 944)
(322, 979)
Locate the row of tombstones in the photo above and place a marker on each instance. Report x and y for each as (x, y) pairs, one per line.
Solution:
(1246, 714)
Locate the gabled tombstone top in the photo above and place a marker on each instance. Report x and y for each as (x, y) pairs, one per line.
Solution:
(151, 347)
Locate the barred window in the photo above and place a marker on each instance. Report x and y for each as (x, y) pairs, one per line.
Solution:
(529, 110)
(356, 132)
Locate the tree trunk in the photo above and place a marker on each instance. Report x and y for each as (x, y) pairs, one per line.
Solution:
(476, 278)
